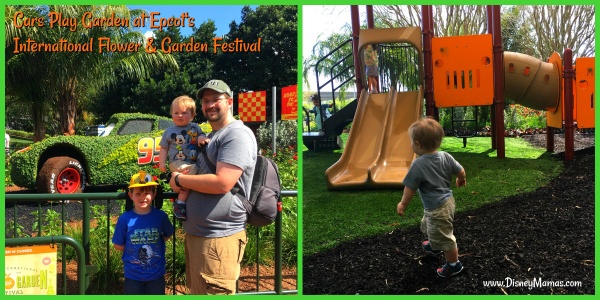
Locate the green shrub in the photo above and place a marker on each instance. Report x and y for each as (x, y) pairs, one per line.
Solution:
(176, 266)
(286, 131)
(521, 117)
(7, 179)
(21, 134)
(109, 270)
(107, 160)
(49, 223)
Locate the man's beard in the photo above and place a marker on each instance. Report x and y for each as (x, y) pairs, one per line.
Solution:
(217, 116)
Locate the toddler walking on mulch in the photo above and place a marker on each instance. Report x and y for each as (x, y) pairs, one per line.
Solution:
(431, 174)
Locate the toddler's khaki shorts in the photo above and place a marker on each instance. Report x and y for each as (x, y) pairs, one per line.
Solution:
(437, 224)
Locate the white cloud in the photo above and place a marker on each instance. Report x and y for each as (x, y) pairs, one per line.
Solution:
(149, 34)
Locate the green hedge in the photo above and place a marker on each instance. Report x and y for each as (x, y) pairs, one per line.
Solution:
(21, 134)
(107, 160)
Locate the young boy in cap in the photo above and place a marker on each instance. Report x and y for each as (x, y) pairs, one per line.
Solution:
(141, 234)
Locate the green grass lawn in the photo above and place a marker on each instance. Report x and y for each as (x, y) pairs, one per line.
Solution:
(332, 217)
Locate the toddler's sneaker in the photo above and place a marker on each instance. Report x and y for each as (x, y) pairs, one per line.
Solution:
(427, 248)
(447, 270)
(179, 210)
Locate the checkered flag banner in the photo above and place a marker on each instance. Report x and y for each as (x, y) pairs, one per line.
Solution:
(253, 106)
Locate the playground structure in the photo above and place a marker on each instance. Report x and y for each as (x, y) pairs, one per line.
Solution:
(465, 71)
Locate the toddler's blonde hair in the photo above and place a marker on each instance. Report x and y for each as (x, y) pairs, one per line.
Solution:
(428, 132)
(184, 102)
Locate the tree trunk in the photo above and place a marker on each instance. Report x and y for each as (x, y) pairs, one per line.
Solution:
(39, 127)
(68, 108)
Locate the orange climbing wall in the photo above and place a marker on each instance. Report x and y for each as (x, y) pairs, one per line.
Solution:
(585, 101)
(462, 70)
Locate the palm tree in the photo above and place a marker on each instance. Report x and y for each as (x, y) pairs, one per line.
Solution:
(62, 79)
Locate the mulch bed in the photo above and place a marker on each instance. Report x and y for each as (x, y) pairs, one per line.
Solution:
(546, 235)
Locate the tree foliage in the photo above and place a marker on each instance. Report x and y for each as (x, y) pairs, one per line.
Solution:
(557, 27)
(448, 20)
(66, 78)
(515, 31)
(339, 62)
(276, 63)
(50, 86)
(155, 94)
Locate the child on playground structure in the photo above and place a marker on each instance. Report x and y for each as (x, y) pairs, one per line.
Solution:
(372, 68)
(431, 174)
(321, 111)
(181, 144)
(141, 234)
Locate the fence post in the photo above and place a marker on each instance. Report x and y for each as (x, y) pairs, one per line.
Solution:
(274, 120)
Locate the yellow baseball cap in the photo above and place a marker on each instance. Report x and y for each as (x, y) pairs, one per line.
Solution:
(141, 179)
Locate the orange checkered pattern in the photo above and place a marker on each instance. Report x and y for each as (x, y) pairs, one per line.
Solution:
(253, 106)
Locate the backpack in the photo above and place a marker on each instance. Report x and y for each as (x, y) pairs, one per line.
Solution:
(265, 195)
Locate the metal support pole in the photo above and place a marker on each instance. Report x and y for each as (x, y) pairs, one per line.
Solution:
(498, 82)
(86, 235)
(278, 251)
(490, 26)
(274, 119)
(427, 58)
(549, 139)
(370, 21)
(86, 230)
(568, 75)
(355, 33)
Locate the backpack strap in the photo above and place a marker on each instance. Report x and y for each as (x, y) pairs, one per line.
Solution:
(213, 168)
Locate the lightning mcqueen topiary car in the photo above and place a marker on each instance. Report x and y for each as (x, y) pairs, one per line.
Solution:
(66, 164)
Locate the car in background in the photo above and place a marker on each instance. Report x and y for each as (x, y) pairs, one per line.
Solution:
(67, 164)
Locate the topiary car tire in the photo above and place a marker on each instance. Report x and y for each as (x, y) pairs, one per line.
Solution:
(62, 175)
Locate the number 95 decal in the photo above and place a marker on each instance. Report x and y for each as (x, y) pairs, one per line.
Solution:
(148, 150)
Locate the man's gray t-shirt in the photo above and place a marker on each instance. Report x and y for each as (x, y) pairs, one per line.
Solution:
(431, 175)
(218, 215)
(181, 142)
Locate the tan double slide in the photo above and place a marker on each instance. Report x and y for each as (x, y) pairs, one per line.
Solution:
(378, 151)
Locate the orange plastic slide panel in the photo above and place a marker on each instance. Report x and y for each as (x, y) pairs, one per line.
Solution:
(463, 70)
(363, 145)
(554, 115)
(584, 87)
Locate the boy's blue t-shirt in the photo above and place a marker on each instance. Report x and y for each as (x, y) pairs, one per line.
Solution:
(431, 176)
(143, 238)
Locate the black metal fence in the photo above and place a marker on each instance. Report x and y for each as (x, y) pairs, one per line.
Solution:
(82, 248)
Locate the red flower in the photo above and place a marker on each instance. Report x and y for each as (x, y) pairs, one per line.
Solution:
(295, 157)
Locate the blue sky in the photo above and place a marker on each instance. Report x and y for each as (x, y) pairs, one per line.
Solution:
(222, 15)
